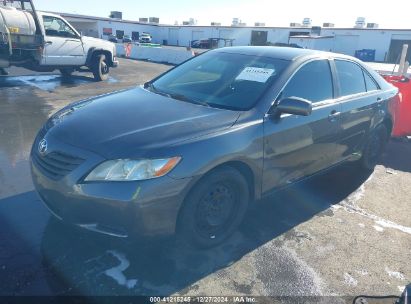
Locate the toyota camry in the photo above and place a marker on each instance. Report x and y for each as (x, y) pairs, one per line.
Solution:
(188, 151)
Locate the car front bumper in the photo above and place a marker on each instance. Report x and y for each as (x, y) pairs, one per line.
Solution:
(122, 209)
(116, 63)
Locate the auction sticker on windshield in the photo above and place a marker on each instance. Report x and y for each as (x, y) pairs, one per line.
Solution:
(255, 74)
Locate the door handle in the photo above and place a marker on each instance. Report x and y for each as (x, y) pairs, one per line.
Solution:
(334, 116)
(72, 40)
(48, 42)
(379, 102)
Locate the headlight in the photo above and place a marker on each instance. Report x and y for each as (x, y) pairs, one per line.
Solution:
(132, 170)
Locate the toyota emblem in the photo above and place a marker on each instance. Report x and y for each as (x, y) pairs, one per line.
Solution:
(42, 147)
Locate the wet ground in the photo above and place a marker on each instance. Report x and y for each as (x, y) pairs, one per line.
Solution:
(344, 233)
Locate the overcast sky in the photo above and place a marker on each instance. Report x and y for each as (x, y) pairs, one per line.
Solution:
(388, 14)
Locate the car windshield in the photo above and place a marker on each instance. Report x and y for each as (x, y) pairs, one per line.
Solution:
(222, 80)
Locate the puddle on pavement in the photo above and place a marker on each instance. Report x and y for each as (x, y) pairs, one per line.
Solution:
(21, 116)
(47, 82)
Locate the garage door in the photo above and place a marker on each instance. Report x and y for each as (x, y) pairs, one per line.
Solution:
(346, 44)
(259, 37)
(173, 36)
(197, 35)
(396, 48)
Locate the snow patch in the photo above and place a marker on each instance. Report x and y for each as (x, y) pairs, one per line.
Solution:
(390, 171)
(116, 273)
(362, 272)
(349, 205)
(349, 280)
(395, 274)
(389, 224)
(378, 228)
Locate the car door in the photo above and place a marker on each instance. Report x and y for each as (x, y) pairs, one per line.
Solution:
(298, 146)
(360, 98)
(63, 45)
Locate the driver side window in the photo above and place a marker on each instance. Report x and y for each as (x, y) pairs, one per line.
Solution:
(312, 82)
(56, 27)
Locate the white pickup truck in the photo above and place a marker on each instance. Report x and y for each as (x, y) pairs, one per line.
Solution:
(46, 42)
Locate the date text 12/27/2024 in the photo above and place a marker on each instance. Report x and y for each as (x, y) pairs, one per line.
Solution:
(203, 299)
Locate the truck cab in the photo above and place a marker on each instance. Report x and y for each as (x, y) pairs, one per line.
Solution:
(67, 50)
(45, 42)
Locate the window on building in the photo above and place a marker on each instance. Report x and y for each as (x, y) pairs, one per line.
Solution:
(119, 34)
(135, 36)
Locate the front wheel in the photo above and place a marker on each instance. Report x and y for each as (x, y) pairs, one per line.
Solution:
(214, 208)
(100, 68)
(374, 147)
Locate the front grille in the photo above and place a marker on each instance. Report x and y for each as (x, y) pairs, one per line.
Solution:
(56, 165)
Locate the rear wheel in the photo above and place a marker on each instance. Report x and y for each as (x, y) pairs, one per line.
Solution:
(214, 208)
(374, 147)
(100, 68)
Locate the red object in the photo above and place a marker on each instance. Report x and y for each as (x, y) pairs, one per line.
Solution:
(401, 110)
(107, 31)
(127, 48)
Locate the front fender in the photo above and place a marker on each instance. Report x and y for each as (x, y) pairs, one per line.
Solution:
(241, 144)
(94, 50)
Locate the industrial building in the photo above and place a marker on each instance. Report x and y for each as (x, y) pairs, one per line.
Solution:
(384, 45)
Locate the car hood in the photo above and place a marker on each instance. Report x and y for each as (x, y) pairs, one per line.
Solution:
(98, 43)
(127, 123)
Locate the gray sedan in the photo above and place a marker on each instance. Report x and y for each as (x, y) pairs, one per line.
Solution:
(189, 151)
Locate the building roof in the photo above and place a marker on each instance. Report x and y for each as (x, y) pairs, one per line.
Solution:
(302, 28)
(94, 18)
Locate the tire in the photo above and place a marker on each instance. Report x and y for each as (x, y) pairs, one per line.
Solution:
(66, 72)
(374, 147)
(100, 68)
(214, 208)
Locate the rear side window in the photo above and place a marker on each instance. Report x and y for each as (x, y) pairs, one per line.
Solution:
(312, 82)
(351, 78)
(370, 83)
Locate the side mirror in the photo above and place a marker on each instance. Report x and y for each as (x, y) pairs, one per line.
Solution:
(294, 105)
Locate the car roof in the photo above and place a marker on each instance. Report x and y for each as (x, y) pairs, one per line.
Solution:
(48, 14)
(285, 53)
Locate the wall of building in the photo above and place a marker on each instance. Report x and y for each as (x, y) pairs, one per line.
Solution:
(241, 36)
(345, 41)
(128, 28)
(87, 28)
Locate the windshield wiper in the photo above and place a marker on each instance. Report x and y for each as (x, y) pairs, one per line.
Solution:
(188, 99)
(152, 88)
